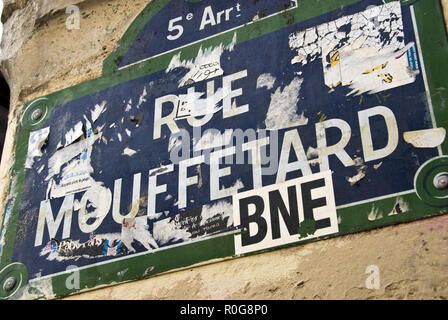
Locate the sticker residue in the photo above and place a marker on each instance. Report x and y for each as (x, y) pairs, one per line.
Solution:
(365, 51)
(282, 112)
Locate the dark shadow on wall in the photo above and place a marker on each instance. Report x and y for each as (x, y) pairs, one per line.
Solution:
(4, 110)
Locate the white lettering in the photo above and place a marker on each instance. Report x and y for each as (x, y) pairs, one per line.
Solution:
(366, 133)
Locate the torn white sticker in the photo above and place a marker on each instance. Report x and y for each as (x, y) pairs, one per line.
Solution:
(175, 141)
(97, 111)
(35, 143)
(137, 229)
(401, 206)
(361, 169)
(75, 178)
(365, 51)
(374, 214)
(166, 230)
(128, 106)
(63, 156)
(265, 80)
(74, 160)
(356, 178)
(142, 98)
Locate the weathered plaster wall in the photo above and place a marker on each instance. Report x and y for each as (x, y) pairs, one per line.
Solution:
(43, 56)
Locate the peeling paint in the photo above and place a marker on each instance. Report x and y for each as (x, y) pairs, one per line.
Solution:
(74, 160)
(41, 168)
(401, 206)
(312, 153)
(199, 171)
(142, 98)
(265, 80)
(282, 112)
(75, 177)
(191, 104)
(160, 170)
(361, 169)
(137, 229)
(95, 204)
(74, 134)
(129, 152)
(374, 214)
(309, 38)
(76, 171)
(36, 141)
(390, 69)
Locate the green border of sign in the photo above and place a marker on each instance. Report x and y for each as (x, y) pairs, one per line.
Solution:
(434, 46)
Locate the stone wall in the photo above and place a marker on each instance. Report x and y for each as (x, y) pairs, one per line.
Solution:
(39, 55)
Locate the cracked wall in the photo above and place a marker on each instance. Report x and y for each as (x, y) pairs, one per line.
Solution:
(40, 55)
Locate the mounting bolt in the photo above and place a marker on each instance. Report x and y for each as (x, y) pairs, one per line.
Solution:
(9, 284)
(36, 115)
(441, 182)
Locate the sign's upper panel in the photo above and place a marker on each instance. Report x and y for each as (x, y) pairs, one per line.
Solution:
(183, 22)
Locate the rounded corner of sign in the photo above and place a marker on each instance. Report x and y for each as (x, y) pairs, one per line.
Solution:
(430, 182)
(35, 113)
